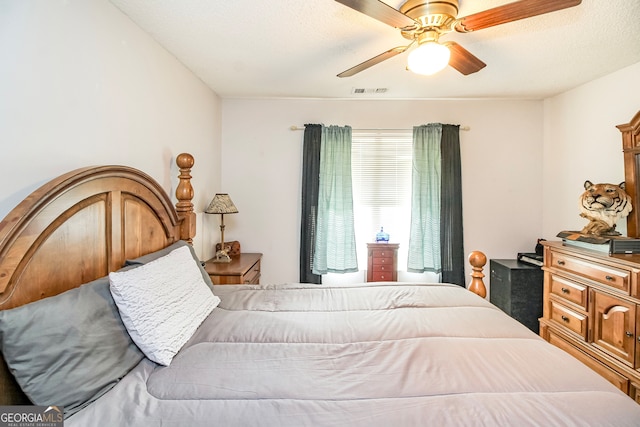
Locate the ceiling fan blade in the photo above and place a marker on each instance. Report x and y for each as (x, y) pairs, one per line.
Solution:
(373, 61)
(463, 60)
(382, 12)
(511, 12)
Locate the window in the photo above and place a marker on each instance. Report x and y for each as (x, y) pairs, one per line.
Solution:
(381, 174)
(381, 170)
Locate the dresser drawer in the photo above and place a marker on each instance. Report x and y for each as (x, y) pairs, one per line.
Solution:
(382, 254)
(610, 276)
(569, 291)
(569, 319)
(382, 276)
(383, 267)
(252, 277)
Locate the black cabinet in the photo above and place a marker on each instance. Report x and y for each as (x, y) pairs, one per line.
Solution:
(516, 288)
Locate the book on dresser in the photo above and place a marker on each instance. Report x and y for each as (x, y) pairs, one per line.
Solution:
(606, 244)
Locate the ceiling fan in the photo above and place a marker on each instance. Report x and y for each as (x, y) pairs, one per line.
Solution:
(423, 22)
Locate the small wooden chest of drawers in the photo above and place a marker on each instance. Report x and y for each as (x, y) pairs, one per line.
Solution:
(591, 310)
(243, 269)
(382, 263)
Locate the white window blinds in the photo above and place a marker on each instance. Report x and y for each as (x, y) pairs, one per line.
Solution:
(381, 173)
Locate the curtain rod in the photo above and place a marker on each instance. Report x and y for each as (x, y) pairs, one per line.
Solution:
(294, 127)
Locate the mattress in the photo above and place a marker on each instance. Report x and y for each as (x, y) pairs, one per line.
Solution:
(374, 354)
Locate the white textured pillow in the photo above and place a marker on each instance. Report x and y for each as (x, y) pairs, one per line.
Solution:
(162, 303)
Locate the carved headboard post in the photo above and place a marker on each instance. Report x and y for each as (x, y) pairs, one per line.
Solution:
(184, 194)
(631, 148)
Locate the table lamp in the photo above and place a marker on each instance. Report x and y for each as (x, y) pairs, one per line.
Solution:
(221, 204)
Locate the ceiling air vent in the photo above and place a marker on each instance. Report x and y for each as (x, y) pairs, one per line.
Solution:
(359, 90)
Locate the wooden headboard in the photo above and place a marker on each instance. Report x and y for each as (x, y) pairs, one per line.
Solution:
(81, 226)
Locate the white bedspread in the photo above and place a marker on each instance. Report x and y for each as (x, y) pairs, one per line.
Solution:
(365, 355)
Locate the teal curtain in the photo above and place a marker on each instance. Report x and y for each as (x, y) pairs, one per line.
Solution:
(424, 252)
(335, 245)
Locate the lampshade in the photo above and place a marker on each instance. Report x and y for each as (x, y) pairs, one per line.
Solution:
(428, 58)
(221, 204)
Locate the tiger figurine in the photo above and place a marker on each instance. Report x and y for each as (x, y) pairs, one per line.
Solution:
(603, 205)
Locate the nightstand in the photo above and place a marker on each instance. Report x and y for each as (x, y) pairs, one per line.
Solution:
(516, 288)
(243, 269)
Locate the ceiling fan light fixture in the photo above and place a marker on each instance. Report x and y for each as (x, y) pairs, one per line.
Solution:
(424, 21)
(428, 58)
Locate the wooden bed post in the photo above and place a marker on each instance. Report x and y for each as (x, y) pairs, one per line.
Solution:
(184, 194)
(477, 260)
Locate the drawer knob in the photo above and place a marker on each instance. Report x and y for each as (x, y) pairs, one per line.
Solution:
(560, 262)
(609, 278)
(565, 318)
(629, 334)
(565, 290)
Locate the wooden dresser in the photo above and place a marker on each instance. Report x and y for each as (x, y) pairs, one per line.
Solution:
(382, 265)
(592, 310)
(243, 269)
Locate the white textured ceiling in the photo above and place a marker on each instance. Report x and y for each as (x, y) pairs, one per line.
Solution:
(295, 48)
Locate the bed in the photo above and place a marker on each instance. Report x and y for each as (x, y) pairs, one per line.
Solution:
(85, 251)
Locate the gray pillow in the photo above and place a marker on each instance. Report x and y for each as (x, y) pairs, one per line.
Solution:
(162, 252)
(69, 349)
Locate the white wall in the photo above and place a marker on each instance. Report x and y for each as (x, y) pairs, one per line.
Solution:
(501, 168)
(82, 85)
(581, 142)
